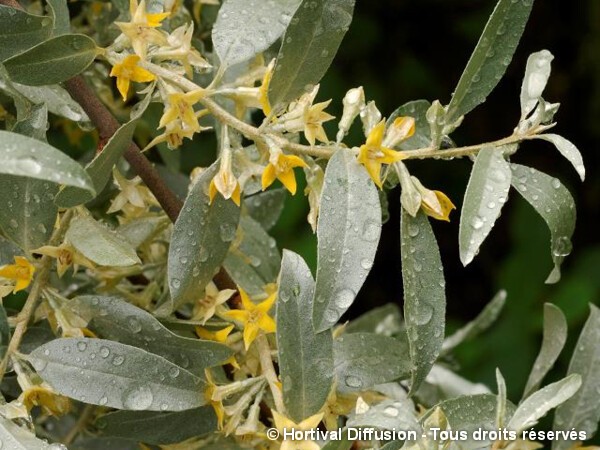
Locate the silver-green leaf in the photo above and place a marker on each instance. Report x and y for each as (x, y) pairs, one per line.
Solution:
(243, 31)
(115, 375)
(582, 411)
(555, 204)
(555, 336)
(348, 232)
(538, 404)
(485, 196)
(568, 150)
(18, 438)
(100, 244)
(27, 157)
(363, 360)
(308, 48)
(305, 357)
(424, 294)
(100, 168)
(59, 11)
(20, 30)
(491, 56)
(266, 207)
(201, 238)
(53, 61)
(115, 319)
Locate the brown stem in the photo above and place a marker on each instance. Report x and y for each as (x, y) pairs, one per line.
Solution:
(107, 125)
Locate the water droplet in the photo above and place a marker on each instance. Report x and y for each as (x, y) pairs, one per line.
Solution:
(344, 298)
(423, 314)
(29, 165)
(138, 398)
(413, 230)
(134, 324)
(353, 382)
(104, 352)
(391, 412)
(175, 283)
(562, 246)
(371, 230)
(555, 183)
(477, 223)
(227, 232)
(366, 263)
(174, 372)
(118, 360)
(103, 401)
(81, 346)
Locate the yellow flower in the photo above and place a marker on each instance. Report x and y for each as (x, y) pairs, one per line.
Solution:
(263, 92)
(134, 196)
(66, 255)
(225, 181)
(180, 110)
(213, 298)
(439, 209)
(373, 154)
(141, 29)
(221, 337)
(21, 272)
(255, 318)
(51, 403)
(208, 395)
(282, 423)
(314, 117)
(282, 167)
(128, 71)
(400, 130)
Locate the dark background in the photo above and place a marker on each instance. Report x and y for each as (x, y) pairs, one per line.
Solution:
(407, 50)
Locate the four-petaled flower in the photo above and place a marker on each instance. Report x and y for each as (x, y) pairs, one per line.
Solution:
(255, 318)
(141, 30)
(373, 154)
(281, 167)
(283, 424)
(21, 272)
(127, 71)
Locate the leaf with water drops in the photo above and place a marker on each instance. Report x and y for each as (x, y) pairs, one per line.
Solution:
(28, 211)
(8, 251)
(309, 45)
(266, 207)
(14, 437)
(253, 260)
(363, 360)
(59, 11)
(348, 232)
(115, 319)
(115, 375)
(424, 294)
(53, 61)
(201, 239)
(568, 150)
(555, 336)
(387, 415)
(385, 320)
(491, 56)
(34, 124)
(100, 244)
(538, 404)
(536, 77)
(416, 109)
(245, 28)
(158, 428)
(582, 411)
(305, 357)
(27, 157)
(469, 413)
(485, 196)
(554, 203)
(100, 168)
(478, 325)
(20, 30)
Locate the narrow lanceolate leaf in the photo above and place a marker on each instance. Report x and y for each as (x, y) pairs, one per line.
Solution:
(568, 150)
(59, 11)
(107, 373)
(53, 61)
(555, 336)
(243, 30)
(308, 47)
(27, 157)
(28, 211)
(387, 415)
(348, 232)
(20, 30)
(582, 411)
(485, 196)
(305, 357)
(266, 207)
(158, 428)
(536, 77)
(34, 124)
(253, 260)
(481, 323)
(501, 400)
(424, 294)
(555, 204)
(363, 360)
(201, 238)
(18, 438)
(57, 100)
(538, 404)
(100, 244)
(491, 56)
(417, 110)
(100, 168)
(113, 318)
